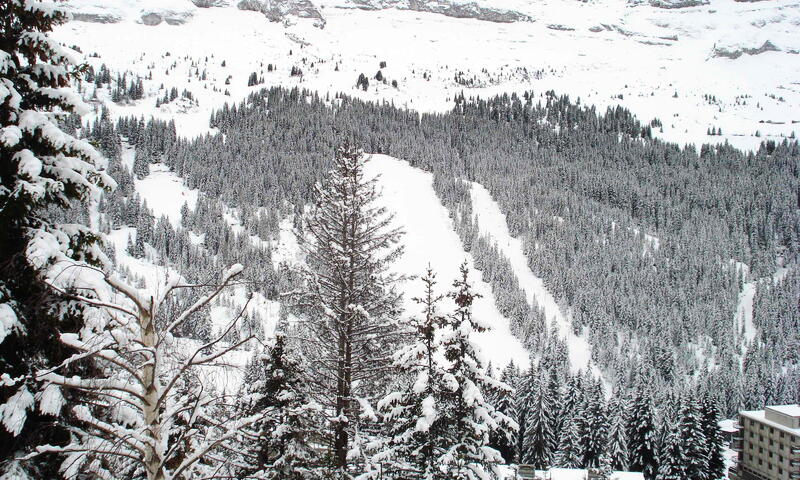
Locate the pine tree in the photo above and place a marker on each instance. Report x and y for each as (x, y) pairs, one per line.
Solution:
(350, 304)
(709, 420)
(642, 436)
(414, 414)
(471, 418)
(693, 441)
(278, 447)
(617, 437)
(593, 427)
(523, 401)
(539, 427)
(569, 453)
(505, 404)
(42, 170)
(604, 469)
(671, 460)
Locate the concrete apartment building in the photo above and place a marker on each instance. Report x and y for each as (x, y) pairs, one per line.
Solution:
(768, 444)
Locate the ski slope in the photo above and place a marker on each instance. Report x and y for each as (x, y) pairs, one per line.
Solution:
(430, 239)
(491, 222)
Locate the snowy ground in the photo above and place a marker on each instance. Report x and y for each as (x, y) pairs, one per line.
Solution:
(669, 64)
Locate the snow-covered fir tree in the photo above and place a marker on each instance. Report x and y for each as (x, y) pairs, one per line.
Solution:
(278, 446)
(569, 453)
(539, 433)
(617, 436)
(471, 419)
(672, 463)
(414, 415)
(505, 404)
(349, 302)
(642, 436)
(693, 441)
(523, 400)
(593, 427)
(709, 420)
(43, 170)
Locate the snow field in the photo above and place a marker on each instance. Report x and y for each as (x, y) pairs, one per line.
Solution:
(658, 63)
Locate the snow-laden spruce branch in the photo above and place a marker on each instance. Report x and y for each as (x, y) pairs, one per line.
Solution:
(144, 401)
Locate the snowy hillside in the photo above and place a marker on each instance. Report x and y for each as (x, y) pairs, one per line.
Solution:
(430, 240)
(726, 65)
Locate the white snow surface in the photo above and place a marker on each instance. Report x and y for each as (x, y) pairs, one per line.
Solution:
(492, 223)
(430, 239)
(657, 62)
(165, 193)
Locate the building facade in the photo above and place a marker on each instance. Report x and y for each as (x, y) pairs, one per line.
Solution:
(768, 444)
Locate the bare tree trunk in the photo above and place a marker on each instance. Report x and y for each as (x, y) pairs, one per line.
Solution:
(340, 430)
(154, 462)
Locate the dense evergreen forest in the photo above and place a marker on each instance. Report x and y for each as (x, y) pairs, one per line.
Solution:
(646, 245)
(641, 241)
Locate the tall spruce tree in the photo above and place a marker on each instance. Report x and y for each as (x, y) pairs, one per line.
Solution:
(350, 304)
(278, 447)
(617, 436)
(523, 401)
(672, 462)
(539, 434)
(471, 418)
(42, 169)
(709, 420)
(593, 427)
(505, 404)
(693, 441)
(414, 414)
(642, 433)
(570, 452)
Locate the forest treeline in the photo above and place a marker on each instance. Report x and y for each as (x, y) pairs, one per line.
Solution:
(645, 244)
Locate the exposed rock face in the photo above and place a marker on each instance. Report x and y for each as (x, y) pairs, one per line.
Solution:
(209, 3)
(443, 7)
(671, 3)
(96, 17)
(168, 16)
(678, 3)
(282, 10)
(728, 52)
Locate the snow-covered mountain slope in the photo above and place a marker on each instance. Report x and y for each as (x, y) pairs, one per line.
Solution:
(492, 222)
(723, 65)
(431, 240)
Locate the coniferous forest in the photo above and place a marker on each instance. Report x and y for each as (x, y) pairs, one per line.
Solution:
(647, 246)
